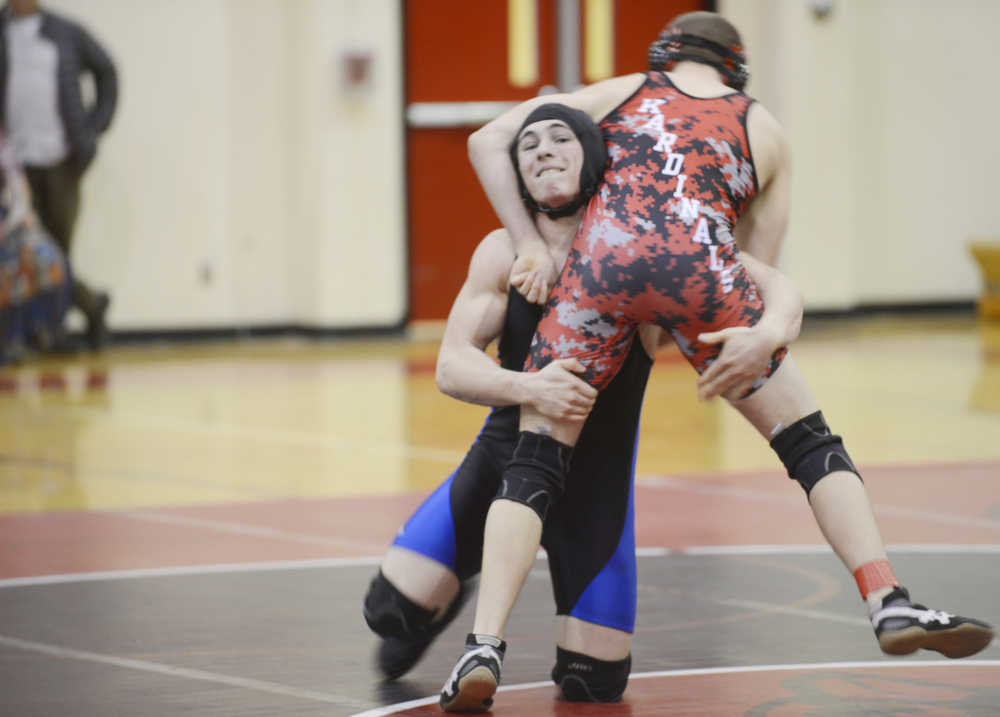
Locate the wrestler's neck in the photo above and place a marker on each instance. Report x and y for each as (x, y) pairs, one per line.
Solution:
(698, 79)
(558, 233)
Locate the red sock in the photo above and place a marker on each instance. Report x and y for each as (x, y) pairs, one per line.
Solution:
(874, 575)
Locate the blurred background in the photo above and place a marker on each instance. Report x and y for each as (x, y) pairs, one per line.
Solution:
(301, 163)
(282, 211)
(282, 171)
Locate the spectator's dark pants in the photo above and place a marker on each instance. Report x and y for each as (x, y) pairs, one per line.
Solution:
(56, 197)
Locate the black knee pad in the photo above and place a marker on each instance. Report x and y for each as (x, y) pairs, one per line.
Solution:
(810, 451)
(536, 474)
(389, 613)
(586, 679)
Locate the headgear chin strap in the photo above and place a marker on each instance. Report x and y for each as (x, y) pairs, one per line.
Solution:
(672, 46)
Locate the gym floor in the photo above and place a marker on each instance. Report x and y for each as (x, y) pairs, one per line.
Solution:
(190, 528)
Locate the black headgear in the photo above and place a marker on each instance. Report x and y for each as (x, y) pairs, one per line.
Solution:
(702, 37)
(595, 156)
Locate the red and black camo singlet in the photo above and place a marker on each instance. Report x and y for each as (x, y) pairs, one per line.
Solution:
(656, 241)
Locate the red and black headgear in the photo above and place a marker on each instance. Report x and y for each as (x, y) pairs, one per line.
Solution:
(704, 37)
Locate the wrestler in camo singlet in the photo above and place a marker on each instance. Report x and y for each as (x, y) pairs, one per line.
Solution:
(656, 241)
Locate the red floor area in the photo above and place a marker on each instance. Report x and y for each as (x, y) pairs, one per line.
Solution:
(675, 513)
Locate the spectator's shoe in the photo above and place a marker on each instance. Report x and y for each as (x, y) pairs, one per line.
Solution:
(903, 627)
(474, 681)
(97, 329)
(397, 656)
(58, 341)
(13, 352)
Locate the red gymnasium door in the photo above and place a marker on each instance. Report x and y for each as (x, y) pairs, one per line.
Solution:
(465, 63)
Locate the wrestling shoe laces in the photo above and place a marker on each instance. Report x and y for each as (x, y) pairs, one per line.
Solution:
(903, 627)
(474, 681)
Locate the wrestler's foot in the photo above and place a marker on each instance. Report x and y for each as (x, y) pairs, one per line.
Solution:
(903, 627)
(396, 656)
(473, 682)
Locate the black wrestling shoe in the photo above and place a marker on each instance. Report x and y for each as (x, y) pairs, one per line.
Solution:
(474, 681)
(903, 627)
(396, 656)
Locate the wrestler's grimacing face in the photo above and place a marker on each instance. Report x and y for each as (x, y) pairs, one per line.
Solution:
(549, 158)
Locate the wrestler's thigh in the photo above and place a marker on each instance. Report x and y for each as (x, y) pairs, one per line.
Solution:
(590, 541)
(596, 326)
(448, 525)
(604, 643)
(782, 400)
(687, 321)
(422, 579)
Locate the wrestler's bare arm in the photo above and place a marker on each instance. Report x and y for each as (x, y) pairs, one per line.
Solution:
(489, 154)
(783, 303)
(747, 350)
(466, 372)
(761, 229)
(475, 320)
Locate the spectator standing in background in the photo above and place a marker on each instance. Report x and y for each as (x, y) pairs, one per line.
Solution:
(52, 132)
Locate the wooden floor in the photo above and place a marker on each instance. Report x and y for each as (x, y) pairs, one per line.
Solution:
(189, 529)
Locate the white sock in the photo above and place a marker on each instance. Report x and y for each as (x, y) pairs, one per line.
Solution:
(874, 598)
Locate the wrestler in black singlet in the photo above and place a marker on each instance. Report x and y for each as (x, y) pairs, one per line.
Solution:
(589, 534)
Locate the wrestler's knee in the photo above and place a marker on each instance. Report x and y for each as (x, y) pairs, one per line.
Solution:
(389, 613)
(586, 679)
(810, 451)
(536, 473)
